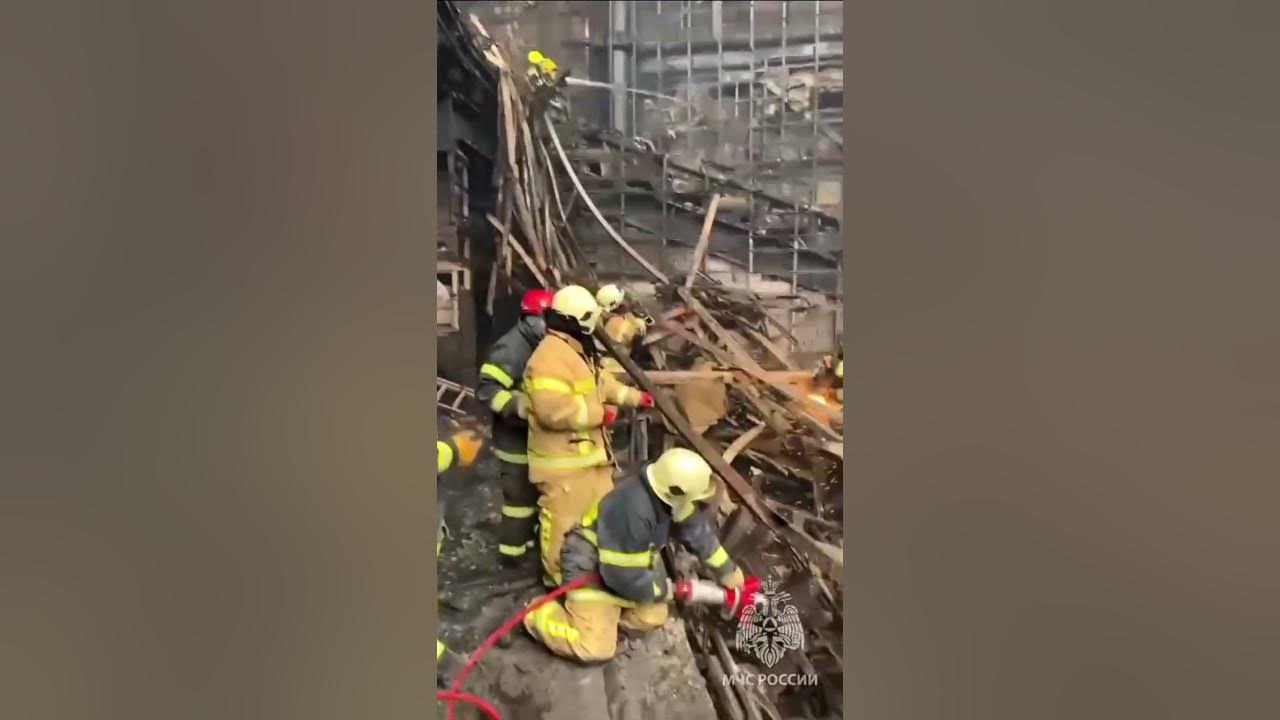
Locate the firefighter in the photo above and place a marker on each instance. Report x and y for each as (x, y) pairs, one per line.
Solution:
(542, 69)
(460, 450)
(620, 537)
(571, 402)
(501, 389)
(624, 328)
(621, 325)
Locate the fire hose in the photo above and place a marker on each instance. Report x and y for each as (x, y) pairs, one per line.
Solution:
(733, 602)
(454, 694)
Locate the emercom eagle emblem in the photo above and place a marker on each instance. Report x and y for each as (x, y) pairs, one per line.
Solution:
(771, 626)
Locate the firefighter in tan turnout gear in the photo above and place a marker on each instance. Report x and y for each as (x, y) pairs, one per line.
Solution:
(571, 401)
(621, 326)
(621, 537)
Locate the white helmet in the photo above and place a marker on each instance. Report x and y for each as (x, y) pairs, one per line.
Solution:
(610, 297)
(576, 302)
(681, 476)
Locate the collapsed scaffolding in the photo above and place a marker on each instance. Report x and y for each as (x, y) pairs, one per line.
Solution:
(777, 446)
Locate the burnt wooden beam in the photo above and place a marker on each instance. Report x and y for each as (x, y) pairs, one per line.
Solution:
(682, 377)
(826, 558)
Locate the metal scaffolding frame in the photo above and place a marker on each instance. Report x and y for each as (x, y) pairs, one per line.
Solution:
(784, 153)
(749, 89)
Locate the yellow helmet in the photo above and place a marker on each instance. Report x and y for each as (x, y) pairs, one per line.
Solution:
(548, 65)
(681, 476)
(535, 57)
(610, 297)
(576, 302)
(444, 456)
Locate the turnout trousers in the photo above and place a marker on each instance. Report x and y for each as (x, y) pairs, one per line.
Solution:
(565, 495)
(585, 627)
(518, 531)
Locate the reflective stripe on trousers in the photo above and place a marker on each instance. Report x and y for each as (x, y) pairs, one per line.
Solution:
(542, 620)
(513, 550)
(593, 457)
(498, 374)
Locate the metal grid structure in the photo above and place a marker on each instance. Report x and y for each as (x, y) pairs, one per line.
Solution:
(752, 88)
(749, 94)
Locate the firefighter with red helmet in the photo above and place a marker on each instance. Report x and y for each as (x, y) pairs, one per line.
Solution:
(501, 389)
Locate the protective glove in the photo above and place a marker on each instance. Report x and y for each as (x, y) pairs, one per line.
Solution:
(522, 405)
(610, 414)
(468, 444)
(646, 399)
(733, 579)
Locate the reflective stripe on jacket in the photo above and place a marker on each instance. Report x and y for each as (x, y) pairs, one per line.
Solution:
(501, 384)
(567, 394)
(622, 535)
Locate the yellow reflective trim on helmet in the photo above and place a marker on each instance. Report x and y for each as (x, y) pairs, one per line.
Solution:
(518, 511)
(497, 373)
(618, 558)
(718, 558)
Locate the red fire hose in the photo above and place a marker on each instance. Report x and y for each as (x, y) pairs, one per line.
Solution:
(454, 694)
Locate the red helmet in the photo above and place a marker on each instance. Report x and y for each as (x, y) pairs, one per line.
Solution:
(535, 301)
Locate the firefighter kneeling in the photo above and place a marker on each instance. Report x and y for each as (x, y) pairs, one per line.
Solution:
(620, 538)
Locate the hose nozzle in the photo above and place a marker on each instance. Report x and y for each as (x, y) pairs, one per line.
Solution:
(737, 600)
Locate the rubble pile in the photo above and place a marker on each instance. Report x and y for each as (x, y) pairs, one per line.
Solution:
(716, 362)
